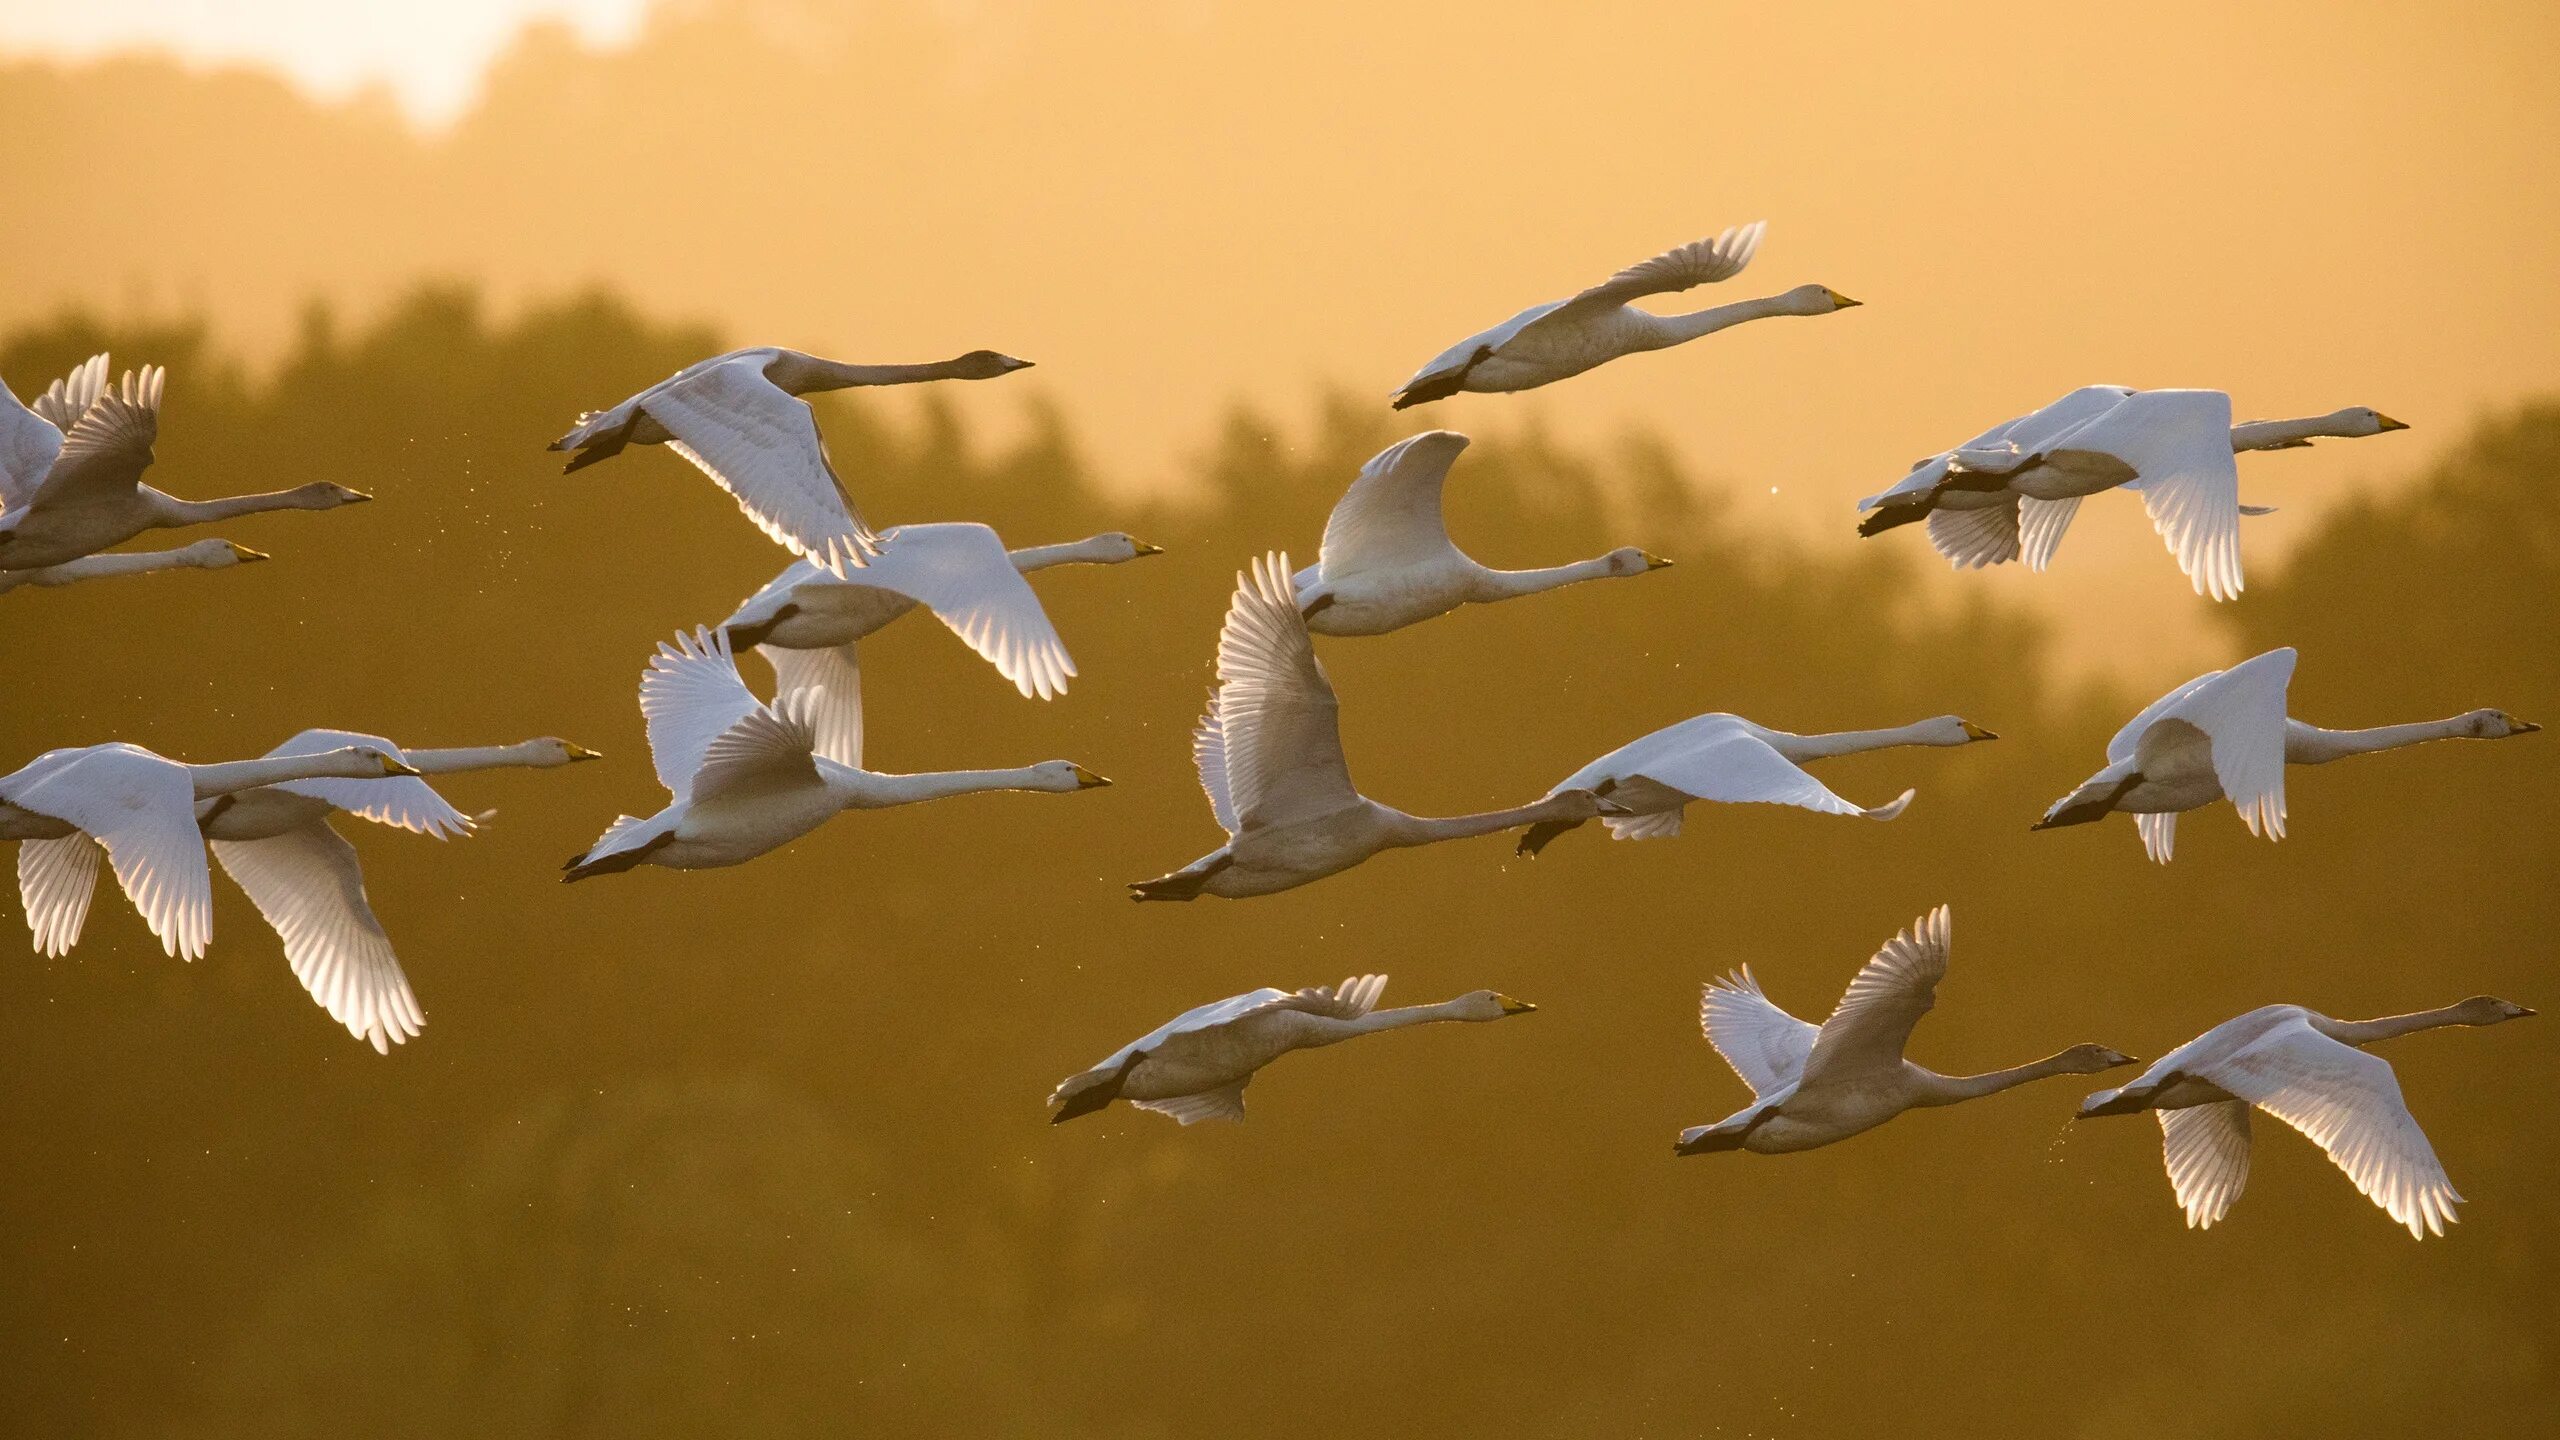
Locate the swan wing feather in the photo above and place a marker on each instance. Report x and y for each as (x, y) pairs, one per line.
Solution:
(309, 885)
(761, 444)
(1873, 1021)
(1765, 1045)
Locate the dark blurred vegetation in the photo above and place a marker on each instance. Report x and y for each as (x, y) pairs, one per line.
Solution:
(761, 1151)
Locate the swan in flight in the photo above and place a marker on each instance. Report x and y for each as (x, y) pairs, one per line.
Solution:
(1387, 560)
(2310, 1072)
(2225, 736)
(806, 621)
(65, 806)
(202, 555)
(739, 419)
(1195, 1066)
(71, 472)
(2010, 492)
(1816, 1085)
(1728, 759)
(276, 842)
(1563, 338)
(746, 777)
(1269, 753)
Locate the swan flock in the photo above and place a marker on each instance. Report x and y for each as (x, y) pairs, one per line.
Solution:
(746, 775)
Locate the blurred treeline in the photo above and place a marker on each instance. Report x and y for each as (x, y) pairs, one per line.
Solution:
(761, 1151)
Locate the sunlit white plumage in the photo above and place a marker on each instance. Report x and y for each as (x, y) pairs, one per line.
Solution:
(1387, 560)
(1195, 1066)
(1816, 1085)
(2225, 736)
(2309, 1071)
(1550, 342)
(1728, 759)
(201, 555)
(746, 777)
(1269, 753)
(66, 806)
(739, 419)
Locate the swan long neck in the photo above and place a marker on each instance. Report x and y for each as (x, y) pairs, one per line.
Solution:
(1950, 1089)
(2306, 744)
(477, 757)
(942, 784)
(1041, 557)
(1404, 830)
(2268, 434)
(1677, 329)
(1396, 1019)
(1511, 584)
(97, 567)
(2365, 1032)
(1801, 748)
(229, 776)
(206, 512)
(810, 374)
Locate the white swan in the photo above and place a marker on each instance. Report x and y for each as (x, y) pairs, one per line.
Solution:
(2010, 492)
(201, 555)
(1269, 754)
(1815, 1085)
(64, 806)
(2310, 1072)
(2225, 736)
(1387, 560)
(276, 842)
(806, 622)
(1729, 759)
(1195, 1066)
(1563, 338)
(739, 419)
(95, 441)
(747, 777)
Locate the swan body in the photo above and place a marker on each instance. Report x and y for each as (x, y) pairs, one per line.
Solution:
(738, 418)
(745, 777)
(1387, 560)
(201, 555)
(1195, 1066)
(1269, 753)
(1818, 1085)
(2011, 492)
(67, 806)
(71, 473)
(806, 622)
(276, 842)
(1728, 759)
(2309, 1071)
(2225, 736)
(1563, 338)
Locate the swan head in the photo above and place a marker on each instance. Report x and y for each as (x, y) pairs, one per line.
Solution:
(218, 555)
(2489, 1010)
(2360, 420)
(1815, 300)
(1064, 775)
(372, 763)
(1478, 1005)
(1952, 730)
(551, 750)
(2092, 1059)
(1116, 547)
(2496, 725)
(324, 495)
(986, 365)
(1628, 560)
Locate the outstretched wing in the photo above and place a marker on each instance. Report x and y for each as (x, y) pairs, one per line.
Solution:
(1700, 262)
(2179, 445)
(1209, 756)
(141, 808)
(1390, 517)
(1971, 539)
(105, 452)
(55, 880)
(1890, 994)
(1765, 1045)
(1731, 765)
(404, 802)
(2241, 713)
(965, 576)
(309, 886)
(2017, 440)
(770, 748)
(761, 444)
(828, 684)
(690, 696)
(1278, 723)
(2206, 1150)
(2349, 1104)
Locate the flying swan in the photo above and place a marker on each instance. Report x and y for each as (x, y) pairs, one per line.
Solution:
(2310, 1072)
(2225, 736)
(1816, 1085)
(65, 806)
(1269, 753)
(276, 842)
(1563, 338)
(746, 777)
(739, 419)
(1387, 560)
(1728, 759)
(71, 471)
(201, 555)
(2010, 492)
(1195, 1066)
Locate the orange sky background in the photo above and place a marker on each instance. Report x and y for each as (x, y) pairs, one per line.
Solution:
(1177, 206)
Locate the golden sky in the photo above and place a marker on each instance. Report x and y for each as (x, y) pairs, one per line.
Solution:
(1177, 206)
